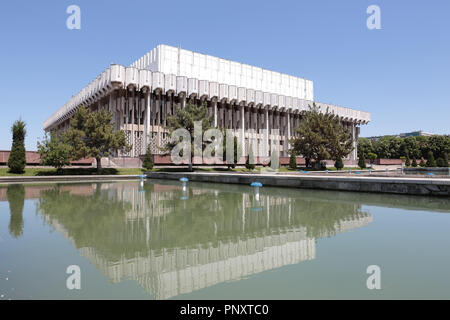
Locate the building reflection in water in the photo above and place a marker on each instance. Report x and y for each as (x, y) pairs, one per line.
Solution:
(216, 234)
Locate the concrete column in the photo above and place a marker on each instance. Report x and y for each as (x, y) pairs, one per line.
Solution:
(214, 103)
(121, 113)
(266, 138)
(110, 102)
(130, 119)
(158, 117)
(183, 101)
(355, 152)
(288, 130)
(242, 129)
(147, 119)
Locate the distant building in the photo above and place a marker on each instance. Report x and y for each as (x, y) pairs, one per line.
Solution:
(419, 133)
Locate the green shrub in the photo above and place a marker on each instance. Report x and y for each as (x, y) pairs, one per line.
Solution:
(440, 162)
(338, 164)
(430, 160)
(293, 161)
(422, 163)
(54, 151)
(148, 160)
(372, 157)
(407, 162)
(250, 162)
(17, 157)
(414, 163)
(362, 162)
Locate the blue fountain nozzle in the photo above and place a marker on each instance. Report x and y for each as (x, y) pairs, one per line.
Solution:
(256, 184)
(184, 179)
(142, 176)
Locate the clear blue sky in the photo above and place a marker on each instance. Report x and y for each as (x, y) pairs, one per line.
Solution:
(401, 73)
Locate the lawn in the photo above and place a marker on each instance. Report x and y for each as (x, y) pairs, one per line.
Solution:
(72, 171)
(138, 171)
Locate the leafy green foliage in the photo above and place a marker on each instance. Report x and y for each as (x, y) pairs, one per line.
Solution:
(293, 161)
(17, 158)
(440, 162)
(391, 147)
(235, 151)
(372, 157)
(431, 162)
(16, 199)
(321, 137)
(407, 161)
(54, 151)
(422, 163)
(250, 162)
(148, 160)
(362, 162)
(414, 163)
(92, 134)
(339, 164)
(185, 119)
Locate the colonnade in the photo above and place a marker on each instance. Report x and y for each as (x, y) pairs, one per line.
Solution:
(143, 116)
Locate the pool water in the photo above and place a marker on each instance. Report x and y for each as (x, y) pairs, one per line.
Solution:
(162, 240)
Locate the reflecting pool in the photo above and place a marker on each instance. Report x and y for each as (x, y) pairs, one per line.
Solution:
(165, 240)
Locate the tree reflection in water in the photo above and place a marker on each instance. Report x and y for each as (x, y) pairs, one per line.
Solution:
(156, 235)
(15, 195)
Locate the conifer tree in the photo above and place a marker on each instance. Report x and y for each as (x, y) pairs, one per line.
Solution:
(362, 161)
(148, 160)
(339, 164)
(293, 161)
(250, 163)
(17, 156)
(430, 160)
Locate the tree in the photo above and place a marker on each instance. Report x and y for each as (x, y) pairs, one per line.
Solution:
(362, 162)
(410, 147)
(430, 160)
(92, 135)
(54, 151)
(372, 157)
(293, 161)
(148, 160)
(17, 157)
(184, 119)
(407, 161)
(338, 164)
(235, 151)
(440, 162)
(15, 195)
(250, 162)
(321, 137)
(422, 163)
(414, 163)
(445, 160)
(365, 146)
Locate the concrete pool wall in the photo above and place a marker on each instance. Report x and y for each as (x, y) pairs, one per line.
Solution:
(411, 186)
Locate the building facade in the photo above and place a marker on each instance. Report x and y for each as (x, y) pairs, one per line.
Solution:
(260, 106)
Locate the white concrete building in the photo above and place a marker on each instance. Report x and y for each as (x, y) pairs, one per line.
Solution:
(251, 101)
